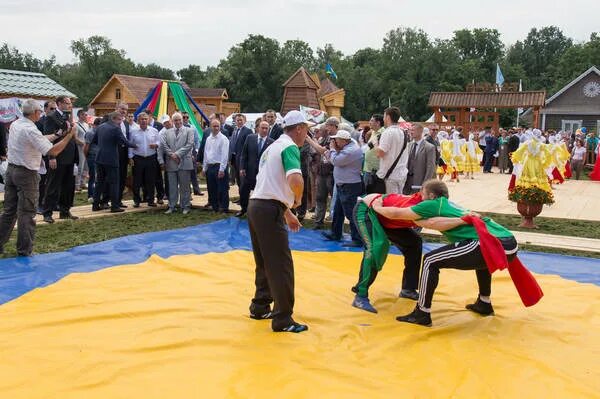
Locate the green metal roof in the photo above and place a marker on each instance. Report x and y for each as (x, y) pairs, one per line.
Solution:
(24, 83)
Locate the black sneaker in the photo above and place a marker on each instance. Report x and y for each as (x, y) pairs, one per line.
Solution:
(409, 294)
(417, 316)
(293, 328)
(483, 308)
(261, 316)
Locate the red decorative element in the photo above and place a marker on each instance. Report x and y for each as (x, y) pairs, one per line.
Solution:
(556, 176)
(568, 171)
(528, 212)
(495, 258)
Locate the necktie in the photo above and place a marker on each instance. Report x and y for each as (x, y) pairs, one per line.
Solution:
(176, 132)
(413, 153)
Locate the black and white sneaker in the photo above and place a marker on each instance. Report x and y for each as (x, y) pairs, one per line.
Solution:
(481, 307)
(417, 316)
(261, 316)
(293, 328)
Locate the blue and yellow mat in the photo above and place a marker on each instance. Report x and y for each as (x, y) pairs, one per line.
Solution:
(164, 315)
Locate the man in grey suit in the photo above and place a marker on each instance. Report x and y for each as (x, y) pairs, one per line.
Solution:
(421, 161)
(254, 146)
(175, 152)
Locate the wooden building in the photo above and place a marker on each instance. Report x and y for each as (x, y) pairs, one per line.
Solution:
(134, 89)
(300, 89)
(307, 90)
(574, 106)
(22, 84)
(331, 98)
(475, 111)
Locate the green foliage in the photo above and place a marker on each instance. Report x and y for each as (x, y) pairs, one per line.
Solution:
(407, 67)
(531, 195)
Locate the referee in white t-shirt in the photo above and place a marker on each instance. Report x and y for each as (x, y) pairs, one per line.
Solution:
(279, 187)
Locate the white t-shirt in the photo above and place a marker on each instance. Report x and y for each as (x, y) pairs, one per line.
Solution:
(278, 161)
(391, 142)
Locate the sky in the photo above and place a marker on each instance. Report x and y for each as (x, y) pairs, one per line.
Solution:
(177, 34)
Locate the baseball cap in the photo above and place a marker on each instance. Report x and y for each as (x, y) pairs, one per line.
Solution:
(342, 134)
(295, 118)
(164, 118)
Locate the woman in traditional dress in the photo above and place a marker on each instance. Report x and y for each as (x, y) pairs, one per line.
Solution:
(472, 157)
(503, 152)
(595, 175)
(445, 155)
(458, 157)
(531, 161)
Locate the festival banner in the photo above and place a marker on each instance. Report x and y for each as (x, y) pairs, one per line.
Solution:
(10, 109)
(312, 114)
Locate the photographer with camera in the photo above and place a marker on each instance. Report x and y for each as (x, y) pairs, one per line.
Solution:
(26, 145)
(60, 184)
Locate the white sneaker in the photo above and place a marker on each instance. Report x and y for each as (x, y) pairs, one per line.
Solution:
(169, 211)
(91, 200)
(185, 211)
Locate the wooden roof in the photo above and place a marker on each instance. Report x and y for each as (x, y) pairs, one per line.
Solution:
(139, 87)
(327, 86)
(301, 78)
(519, 99)
(208, 93)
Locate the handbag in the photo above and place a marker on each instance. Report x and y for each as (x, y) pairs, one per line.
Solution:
(376, 184)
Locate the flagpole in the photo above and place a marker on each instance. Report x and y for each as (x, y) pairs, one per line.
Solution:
(519, 109)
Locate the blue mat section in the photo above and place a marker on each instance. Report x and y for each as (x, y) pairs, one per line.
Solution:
(20, 275)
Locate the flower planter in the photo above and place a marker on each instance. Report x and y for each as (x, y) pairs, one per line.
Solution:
(528, 212)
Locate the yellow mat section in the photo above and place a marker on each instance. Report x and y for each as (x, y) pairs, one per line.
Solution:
(178, 328)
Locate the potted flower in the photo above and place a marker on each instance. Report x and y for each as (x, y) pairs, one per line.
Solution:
(530, 200)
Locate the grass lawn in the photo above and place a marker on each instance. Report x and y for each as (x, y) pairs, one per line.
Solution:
(64, 235)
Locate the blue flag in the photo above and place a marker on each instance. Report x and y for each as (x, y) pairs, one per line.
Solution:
(499, 76)
(329, 71)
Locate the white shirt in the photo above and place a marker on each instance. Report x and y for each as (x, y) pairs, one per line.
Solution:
(143, 139)
(216, 150)
(271, 181)
(26, 144)
(391, 142)
(579, 153)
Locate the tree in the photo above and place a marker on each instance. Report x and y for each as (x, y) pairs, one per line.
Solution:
(251, 73)
(480, 44)
(538, 53)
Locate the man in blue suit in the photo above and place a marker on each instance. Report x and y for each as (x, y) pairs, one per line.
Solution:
(236, 145)
(110, 141)
(491, 147)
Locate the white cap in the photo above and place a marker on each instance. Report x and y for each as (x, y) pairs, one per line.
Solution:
(164, 118)
(295, 118)
(342, 134)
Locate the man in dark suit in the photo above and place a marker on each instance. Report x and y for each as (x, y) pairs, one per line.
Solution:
(49, 106)
(236, 145)
(109, 139)
(513, 145)
(226, 129)
(421, 163)
(275, 130)
(153, 122)
(60, 181)
(123, 109)
(491, 147)
(254, 146)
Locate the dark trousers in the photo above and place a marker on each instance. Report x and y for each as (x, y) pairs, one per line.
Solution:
(159, 183)
(344, 207)
(60, 189)
(324, 190)
(305, 194)
(144, 175)
(274, 278)
(248, 184)
(577, 166)
(20, 202)
(194, 177)
(489, 160)
(91, 162)
(407, 240)
(218, 188)
(123, 163)
(235, 171)
(42, 185)
(107, 180)
(463, 255)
